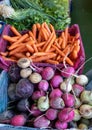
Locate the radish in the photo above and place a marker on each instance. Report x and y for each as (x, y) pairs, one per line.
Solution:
(61, 125)
(67, 72)
(82, 80)
(51, 114)
(43, 85)
(34, 111)
(18, 120)
(41, 122)
(43, 103)
(47, 73)
(37, 94)
(55, 93)
(56, 80)
(69, 99)
(66, 115)
(57, 103)
(77, 89)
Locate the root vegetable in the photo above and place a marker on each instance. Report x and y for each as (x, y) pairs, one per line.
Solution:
(37, 94)
(55, 93)
(86, 97)
(18, 120)
(66, 86)
(56, 80)
(51, 114)
(22, 105)
(61, 125)
(82, 80)
(77, 115)
(25, 73)
(43, 103)
(23, 63)
(83, 126)
(86, 111)
(66, 115)
(77, 89)
(77, 103)
(57, 103)
(24, 88)
(67, 72)
(47, 73)
(35, 77)
(43, 85)
(41, 122)
(69, 99)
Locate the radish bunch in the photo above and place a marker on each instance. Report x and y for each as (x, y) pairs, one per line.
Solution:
(49, 98)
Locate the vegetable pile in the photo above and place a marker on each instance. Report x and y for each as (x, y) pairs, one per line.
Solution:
(24, 13)
(47, 97)
(42, 44)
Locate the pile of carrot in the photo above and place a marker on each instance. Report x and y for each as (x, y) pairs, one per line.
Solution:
(41, 44)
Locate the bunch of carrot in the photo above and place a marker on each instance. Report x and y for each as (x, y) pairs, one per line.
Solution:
(41, 44)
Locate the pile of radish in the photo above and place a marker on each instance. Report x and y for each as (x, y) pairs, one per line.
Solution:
(48, 97)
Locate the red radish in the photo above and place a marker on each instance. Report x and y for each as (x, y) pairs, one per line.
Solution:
(67, 72)
(61, 125)
(57, 103)
(43, 85)
(69, 99)
(56, 80)
(77, 89)
(47, 73)
(34, 110)
(37, 94)
(18, 120)
(51, 114)
(66, 115)
(41, 122)
(55, 93)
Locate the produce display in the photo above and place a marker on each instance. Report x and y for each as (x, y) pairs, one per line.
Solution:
(47, 97)
(42, 85)
(24, 13)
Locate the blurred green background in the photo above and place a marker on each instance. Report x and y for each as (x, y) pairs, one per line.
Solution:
(82, 15)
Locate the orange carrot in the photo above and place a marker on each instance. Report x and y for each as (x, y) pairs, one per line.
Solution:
(63, 55)
(8, 38)
(34, 30)
(52, 61)
(47, 28)
(19, 55)
(8, 59)
(51, 50)
(50, 42)
(64, 41)
(42, 58)
(40, 44)
(13, 46)
(4, 53)
(30, 49)
(22, 38)
(16, 50)
(28, 54)
(66, 34)
(38, 26)
(31, 34)
(44, 34)
(42, 53)
(14, 30)
(52, 28)
(58, 57)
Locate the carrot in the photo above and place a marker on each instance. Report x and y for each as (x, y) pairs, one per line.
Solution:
(16, 50)
(63, 45)
(58, 57)
(77, 36)
(66, 34)
(51, 50)
(4, 53)
(35, 48)
(52, 28)
(38, 26)
(30, 49)
(19, 55)
(47, 28)
(13, 46)
(9, 59)
(44, 34)
(42, 58)
(40, 44)
(39, 36)
(60, 40)
(14, 30)
(8, 38)
(22, 38)
(63, 55)
(42, 53)
(34, 30)
(74, 55)
(31, 34)
(28, 54)
(52, 61)
(50, 42)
